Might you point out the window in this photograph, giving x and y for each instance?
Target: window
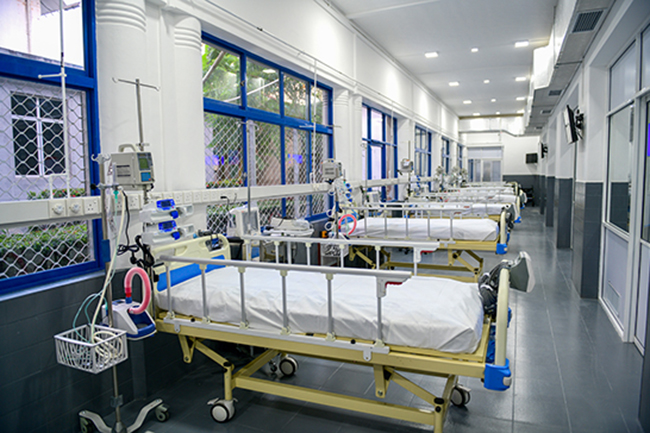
(645, 228)
(645, 58)
(278, 116)
(623, 81)
(619, 169)
(459, 155)
(422, 160)
(31, 31)
(34, 163)
(445, 155)
(484, 163)
(37, 127)
(379, 131)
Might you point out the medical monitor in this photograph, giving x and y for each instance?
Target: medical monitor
(570, 125)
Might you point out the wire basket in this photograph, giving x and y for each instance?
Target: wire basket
(74, 349)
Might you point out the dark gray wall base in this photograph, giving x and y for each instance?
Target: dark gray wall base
(529, 182)
(586, 238)
(564, 218)
(39, 395)
(550, 200)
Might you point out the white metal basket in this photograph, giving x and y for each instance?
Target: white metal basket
(75, 349)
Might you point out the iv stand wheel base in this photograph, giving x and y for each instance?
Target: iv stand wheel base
(91, 422)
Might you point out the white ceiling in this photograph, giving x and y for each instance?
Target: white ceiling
(407, 29)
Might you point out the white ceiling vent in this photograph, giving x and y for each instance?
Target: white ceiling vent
(554, 92)
(586, 21)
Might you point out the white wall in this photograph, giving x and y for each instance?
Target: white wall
(514, 150)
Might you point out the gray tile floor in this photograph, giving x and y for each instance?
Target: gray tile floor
(571, 372)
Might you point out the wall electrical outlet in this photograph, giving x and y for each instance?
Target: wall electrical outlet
(134, 202)
(196, 197)
(75, 206)
(92, 206)
(58, 208)
(187, 197)
(205, 196)
(178, 198)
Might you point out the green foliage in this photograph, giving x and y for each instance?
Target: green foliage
(42, 249)
(56, 193)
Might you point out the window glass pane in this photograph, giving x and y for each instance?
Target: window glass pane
(390, 162)
(389, 130)
(620, 168)
(263, 86)
(645, 229)
(623, 79)
(266, 140)
(318, 154)
(645, 58)
(320, 106)
(296, 160)
(295, 97)
(364, 123)
(224, 144)
(376, 125)
(34, 32)
(375, 155)
(221, 72)
(31, 141)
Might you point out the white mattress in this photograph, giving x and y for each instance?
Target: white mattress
(469, 229)
(466, 207)
(424, 312)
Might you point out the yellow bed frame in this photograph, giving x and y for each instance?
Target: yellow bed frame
(387, 362)
(455, 249)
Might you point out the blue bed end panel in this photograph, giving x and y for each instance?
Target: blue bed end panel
(518, 220)
(502, 248)
(183, 274)
(497, 377)
(508, 238)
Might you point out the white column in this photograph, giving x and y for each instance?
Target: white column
(183, 109)
(121, 43)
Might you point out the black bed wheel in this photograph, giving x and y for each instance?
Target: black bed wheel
(460, 396)
(288, 366)
(220, 412)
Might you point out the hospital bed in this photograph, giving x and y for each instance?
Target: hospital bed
(455, 234)
(390, 322)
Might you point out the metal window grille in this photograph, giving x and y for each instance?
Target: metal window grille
(218, 217)
(224, 141)
(266, 141)
(268, 209)
(35, 165)
(33, 160)
(26, 250)
(296, 158)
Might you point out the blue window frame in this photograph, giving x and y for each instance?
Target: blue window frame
(81, 79)
(380, 136)
(292, 115)
(459, 155)
(423, 154)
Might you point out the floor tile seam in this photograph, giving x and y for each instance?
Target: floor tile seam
(559, 369)
(599, 364)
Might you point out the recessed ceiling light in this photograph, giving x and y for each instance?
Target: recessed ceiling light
(475, 50)
(521, 44)
(431, 55)
(521, 111)
(454, 84)
(476, 114)
(467, 102)
(493, 100)
(521, 79)
(486, 81)
(521, 98)
(498, 112)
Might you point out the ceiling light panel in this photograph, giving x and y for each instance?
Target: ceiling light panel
(474, 50)
(486, 81)
(454, 84)
(521, 44)
(467, 102)
(521, 98)
(431, 55)
(521, 79)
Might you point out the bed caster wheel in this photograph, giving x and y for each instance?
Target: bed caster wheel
(162, 413)
(223, 411)
(288, 366)
(460, 396)
(87, 425)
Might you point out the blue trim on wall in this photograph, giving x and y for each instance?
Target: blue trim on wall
(9, 285)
